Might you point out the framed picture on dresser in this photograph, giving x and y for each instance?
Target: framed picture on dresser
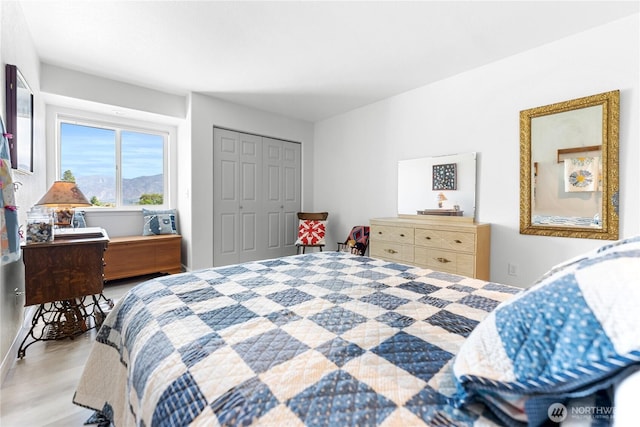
(444, 177)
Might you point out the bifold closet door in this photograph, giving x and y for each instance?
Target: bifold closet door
(256, 195)
(281, 169)
(237, 189)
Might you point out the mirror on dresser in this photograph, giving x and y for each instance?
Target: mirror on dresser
(438, 186)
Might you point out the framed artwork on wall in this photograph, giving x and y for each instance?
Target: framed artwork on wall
(19, 100)
(444, 177)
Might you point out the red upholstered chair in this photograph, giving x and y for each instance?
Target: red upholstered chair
(312, 228)
(357, 241)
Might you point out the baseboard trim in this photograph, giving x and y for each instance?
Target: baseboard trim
(12, 355)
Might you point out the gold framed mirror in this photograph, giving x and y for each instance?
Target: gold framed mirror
(569, 168)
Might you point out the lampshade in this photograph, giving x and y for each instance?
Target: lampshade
(63, 194)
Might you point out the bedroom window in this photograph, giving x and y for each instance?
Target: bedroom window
(114, 166)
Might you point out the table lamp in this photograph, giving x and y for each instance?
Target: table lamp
(440, 198)
(63, 196)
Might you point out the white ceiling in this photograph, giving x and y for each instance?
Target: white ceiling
(304, 59)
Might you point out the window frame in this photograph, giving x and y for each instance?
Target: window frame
(118, 125)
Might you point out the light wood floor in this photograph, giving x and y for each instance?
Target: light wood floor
(38, 389)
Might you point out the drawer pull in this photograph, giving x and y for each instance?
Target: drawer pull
(458, 241)
(428, 238)
(401, 235)
(391, 251)
(379, 232)
(442, 260)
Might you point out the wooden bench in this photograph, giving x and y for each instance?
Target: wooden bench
(131, 256)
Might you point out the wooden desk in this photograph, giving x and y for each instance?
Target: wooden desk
(58, 277)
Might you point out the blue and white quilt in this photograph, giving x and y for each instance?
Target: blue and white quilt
(322, 339)
(556, 351)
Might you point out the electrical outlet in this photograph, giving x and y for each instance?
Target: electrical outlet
(512, 269)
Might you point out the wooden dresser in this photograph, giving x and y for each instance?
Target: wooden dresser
(452, 245)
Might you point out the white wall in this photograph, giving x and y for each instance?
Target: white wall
(207, 112)
(16, 48)
(74, 84)
(356, 153)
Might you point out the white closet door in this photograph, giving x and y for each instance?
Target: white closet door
(281, 168)
(237, 190)
(292, 190)
(256, 195)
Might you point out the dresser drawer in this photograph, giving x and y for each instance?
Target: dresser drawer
(443, 260)
(392, 234)
(391, 251)
(458, 241)
(428, 237)
(454, 240)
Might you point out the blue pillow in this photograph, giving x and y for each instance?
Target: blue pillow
(79, 220)
(159, 222)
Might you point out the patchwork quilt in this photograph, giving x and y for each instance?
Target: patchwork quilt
(321, 339)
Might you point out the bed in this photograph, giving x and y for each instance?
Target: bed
(327, 339)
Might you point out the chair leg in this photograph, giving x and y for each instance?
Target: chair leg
(303, 249)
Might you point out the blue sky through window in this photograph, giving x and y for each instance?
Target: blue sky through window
(90, 151)
(142, 154)
(87, 151)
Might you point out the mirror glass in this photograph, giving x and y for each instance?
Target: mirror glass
(569, 168)
(442, 186)
(19, 106)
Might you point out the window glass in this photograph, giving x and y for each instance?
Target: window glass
(112, 166)
(87, 156)
(142, 169)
